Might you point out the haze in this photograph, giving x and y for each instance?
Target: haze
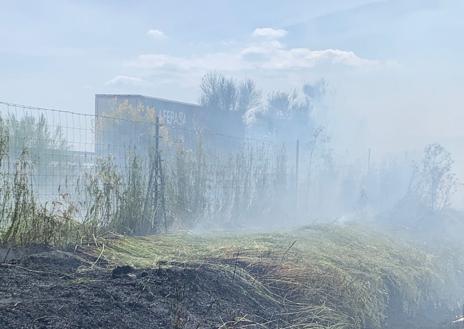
(394, 68)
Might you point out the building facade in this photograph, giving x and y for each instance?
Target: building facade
(127, 122)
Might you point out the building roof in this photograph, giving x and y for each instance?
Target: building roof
(150, 98)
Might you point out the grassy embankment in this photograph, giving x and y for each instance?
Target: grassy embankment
(322, 277)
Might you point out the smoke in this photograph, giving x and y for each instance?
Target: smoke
(361, 138)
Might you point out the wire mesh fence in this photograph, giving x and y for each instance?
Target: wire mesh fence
(137, 173)
(61, 145)
(133, 171)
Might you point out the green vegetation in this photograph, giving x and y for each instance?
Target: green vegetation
(320, 276)
(140, 196)
(324, 276)
(24, 219)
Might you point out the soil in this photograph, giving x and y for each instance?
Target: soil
(55, 289)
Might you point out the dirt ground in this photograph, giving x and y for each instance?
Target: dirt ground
(56, 289)
(53, 289)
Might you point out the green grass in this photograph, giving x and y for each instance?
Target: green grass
(325, 276)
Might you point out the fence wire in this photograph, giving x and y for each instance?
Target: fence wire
(63, 147)
(194, 171)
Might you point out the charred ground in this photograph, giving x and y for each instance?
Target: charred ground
(57, 290)
(321, 278)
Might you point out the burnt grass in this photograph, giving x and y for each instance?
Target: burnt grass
(57, 289)
(54, 289)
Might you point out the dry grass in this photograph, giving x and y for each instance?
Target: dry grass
(324, 277)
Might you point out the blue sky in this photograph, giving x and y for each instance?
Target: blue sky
(394, 67)
(59, 53)
(53, 51)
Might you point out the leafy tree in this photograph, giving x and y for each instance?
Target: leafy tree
(288, 116)
(249, 96)
(218, 93)
(434, 181)
(45, 148)
(226, 102)
(33, 134)
(226, 94)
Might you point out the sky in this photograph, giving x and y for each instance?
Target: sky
(394, 67)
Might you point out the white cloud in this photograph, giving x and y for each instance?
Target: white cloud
(124, 80)
(271, 63)
(269, 32)
(156, 34)
(265, 55)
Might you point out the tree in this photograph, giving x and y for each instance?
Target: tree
(316, 91)
(218, 93)
(288, 116)
(249, 96)
(434, 182)
(225, 94)
(45, 148)
(34, 135)
(226, 102)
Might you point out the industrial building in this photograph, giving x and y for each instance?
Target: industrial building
(127, 121)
